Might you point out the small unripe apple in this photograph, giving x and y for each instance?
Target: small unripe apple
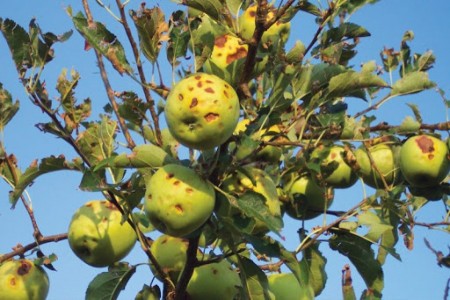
(22, 279)
(284, 286)
(424, 160)
(334, 170)
(218, 281)
(178, 201)
(98, 235)
(277, 32)
(386, 159)
(170, 253)
(307, 199)
(202, 111)
(227, 49)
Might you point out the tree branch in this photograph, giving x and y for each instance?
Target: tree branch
(140, 69)
(20, 250)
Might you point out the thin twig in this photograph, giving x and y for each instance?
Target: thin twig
(140, 69)
(106, 83)
(20, 250)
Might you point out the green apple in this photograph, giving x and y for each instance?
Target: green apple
(218, 281)
(278, 32)
(307, 199)
(284, 286)
(149, 293)
(424, 160)
(170, 253)
(202, 111)
(227, 48)
(334, 170)
(98, 234)
(386, 159)
(22, 279)
(178, 201)
(260, 183)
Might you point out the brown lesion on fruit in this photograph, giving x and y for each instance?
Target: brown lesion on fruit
(425, 144)
(180, 97)
(179, 209)
(177, 182)
(190, 88)
(220, 41)
(199, 84)
(169, 176)
(189, 190)
(198, 77)
(241, 52)
(209, 90)
(194, 102)
(24, 268)
(12, 281)
(209, 81)
(210, 117)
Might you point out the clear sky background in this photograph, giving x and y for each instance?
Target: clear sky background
(56, 196)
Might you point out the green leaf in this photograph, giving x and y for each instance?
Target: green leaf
(343, 31)
(377, 227)
(315, 261)
(97, 141)
(104, 41)
(108, 285)
(254, 279)
(310, 8)
(74, 113)
(347, 83)
(47, 165)
(18, 42)
(8, 109)
(301, 272)
(213, 8)
(416, 111)
(151, 26)
(351, 6)
(360, 253)
(408, 125)
(411, 83)
(252, 205)
(179, 38)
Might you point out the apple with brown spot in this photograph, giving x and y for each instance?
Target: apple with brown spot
(424, 160)
(98, 234)
(177, 200)
(22, 279)
(202, 111)
(227, 49)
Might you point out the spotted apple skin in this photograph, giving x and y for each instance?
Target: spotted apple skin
(98, 235)
(178, 201)
(202, 111)
(424, 160)
(22, 279)
(227, 49)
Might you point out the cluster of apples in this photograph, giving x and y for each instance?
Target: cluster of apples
(422, 161)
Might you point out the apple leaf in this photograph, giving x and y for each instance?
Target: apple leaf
(19, 43)
(254, 279)
(74, 113)
(343, 31)
(46, 165)
(301, 271)
(8, 109)
(347, 83)
(352, 6)
(252, 205)
(108, 285)
(213, 8)
(377, 227)
(97, 141)
(104, 41)
(408, 125)
(411, 83)
(316, 264)
(179, 38)
(360, 253)
(151, 26)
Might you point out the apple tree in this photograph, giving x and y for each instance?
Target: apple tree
(256, 128)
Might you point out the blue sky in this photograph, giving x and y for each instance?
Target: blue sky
(56, 196)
